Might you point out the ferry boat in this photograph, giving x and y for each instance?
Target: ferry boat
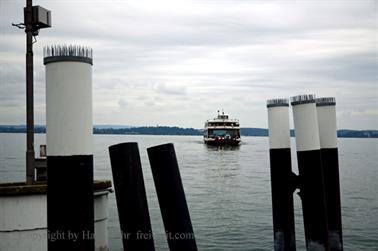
(222, 131)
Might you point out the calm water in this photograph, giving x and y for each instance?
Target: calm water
(228, 190)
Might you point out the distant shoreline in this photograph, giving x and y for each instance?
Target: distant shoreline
(173, 130)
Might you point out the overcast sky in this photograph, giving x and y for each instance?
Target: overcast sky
(178, 62)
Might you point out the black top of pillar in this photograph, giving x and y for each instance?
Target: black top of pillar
(303, 99)
(277, 102)
(325, 101)
(71, 53)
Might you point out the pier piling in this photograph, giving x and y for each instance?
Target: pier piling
(310, 172)
(281, 175)
(131, 197)
(171, 196)
(70, 202)
(326, 112)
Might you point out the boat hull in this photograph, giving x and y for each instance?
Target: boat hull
(229, 142)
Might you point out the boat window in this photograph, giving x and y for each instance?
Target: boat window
(219, 132)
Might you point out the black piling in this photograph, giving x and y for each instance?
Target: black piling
(282, 184)
(282, 178)
(70, 208)
(310, 173)
(171, 196)
(330, 164)
(131, 198)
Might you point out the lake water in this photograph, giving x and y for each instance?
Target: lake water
(228, 190)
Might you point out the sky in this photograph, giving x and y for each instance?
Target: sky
(177, 62)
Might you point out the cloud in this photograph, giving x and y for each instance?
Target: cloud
(169, 89)
(122, 103)
(178, 62)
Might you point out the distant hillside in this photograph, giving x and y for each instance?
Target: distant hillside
(149, 130)
(21, 129)
(357, 134)
(340, 133)
(174, 130)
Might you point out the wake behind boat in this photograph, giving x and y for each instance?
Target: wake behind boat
(222, 131)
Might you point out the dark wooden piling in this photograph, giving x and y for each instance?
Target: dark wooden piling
(313, 200)
(70, 208)
(171, 196)
(282, 199)
(332, 196)
(131, 198)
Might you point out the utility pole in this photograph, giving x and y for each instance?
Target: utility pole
(28, 16)
(35, 18)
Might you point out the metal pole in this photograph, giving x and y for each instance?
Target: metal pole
(29, 94)
(133, 214)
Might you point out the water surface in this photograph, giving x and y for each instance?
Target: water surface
(228, 189)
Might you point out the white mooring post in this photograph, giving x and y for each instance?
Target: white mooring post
(310, 172)
(74, 215)
(70, 201)
(281, 175)
(326, 111)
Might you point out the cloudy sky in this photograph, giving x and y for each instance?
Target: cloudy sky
(178, 62)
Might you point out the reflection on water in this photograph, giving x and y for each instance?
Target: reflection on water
(228, 189)
(222, 148)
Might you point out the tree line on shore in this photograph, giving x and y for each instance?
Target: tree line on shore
(174, 130)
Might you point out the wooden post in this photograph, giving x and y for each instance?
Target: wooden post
(133, 214)
(171, 196)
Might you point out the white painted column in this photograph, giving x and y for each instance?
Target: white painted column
(69, 108)
(326, 112)
(278, 123)
(305, 122)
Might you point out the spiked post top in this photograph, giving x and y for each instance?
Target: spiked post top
(72, 53)
(277, 102)
(325, 101)
(302, 99)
